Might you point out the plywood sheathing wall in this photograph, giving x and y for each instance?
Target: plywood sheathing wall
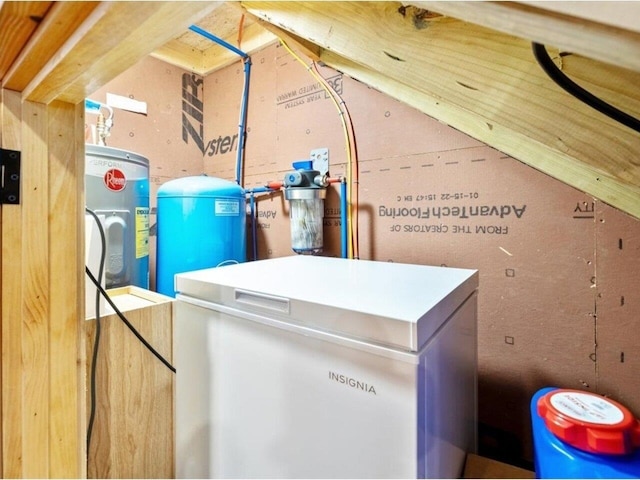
(558, 269)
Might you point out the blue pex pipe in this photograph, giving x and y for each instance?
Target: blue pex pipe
(243, 119)
(254, 229)
(245, 95)
(219, 41)
(343, 217)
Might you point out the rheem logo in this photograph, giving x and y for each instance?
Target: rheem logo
(115, 180)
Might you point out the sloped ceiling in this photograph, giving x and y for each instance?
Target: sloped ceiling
(487, 83)
(468, 64)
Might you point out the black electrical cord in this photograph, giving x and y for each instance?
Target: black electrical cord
(96, 341)
(101, 291)
(127, 323)
(550, 68)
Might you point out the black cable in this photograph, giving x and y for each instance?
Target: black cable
(127, 323)
(96, 341)
(544, 60)
(101, 291)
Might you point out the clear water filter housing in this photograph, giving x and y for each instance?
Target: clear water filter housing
(306, 190)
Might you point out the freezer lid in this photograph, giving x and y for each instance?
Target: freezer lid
(393, 304)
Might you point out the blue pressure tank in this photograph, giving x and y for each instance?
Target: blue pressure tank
(201, 224)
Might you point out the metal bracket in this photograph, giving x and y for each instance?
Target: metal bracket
(9, 177)
(320, 159)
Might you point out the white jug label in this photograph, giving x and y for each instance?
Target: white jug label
(587, 408)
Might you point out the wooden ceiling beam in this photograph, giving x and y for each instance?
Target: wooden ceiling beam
(482, 82)
(59, 24)
(619, 14)
(592, 36)
(18, 21)
(308, 48)
(112, 38)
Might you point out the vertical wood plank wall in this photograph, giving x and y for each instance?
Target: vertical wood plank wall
(66, 287)
(42, 280)
(11, 316)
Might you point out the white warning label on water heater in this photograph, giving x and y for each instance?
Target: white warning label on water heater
(227, 207)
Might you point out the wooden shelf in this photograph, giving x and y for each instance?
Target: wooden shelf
(133, 428)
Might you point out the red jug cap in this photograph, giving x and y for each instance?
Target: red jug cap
(590, 422)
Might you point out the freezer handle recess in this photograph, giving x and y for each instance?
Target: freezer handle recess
(268, 302)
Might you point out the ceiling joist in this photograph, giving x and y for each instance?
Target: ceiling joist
(111, 39)
(545, 23)
(60, 22)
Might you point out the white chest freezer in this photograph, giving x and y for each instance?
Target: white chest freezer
(316, 367)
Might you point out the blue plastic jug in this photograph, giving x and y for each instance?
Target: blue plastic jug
(580, 434)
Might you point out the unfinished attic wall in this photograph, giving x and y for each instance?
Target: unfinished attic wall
(169, 136)
(558, 302)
